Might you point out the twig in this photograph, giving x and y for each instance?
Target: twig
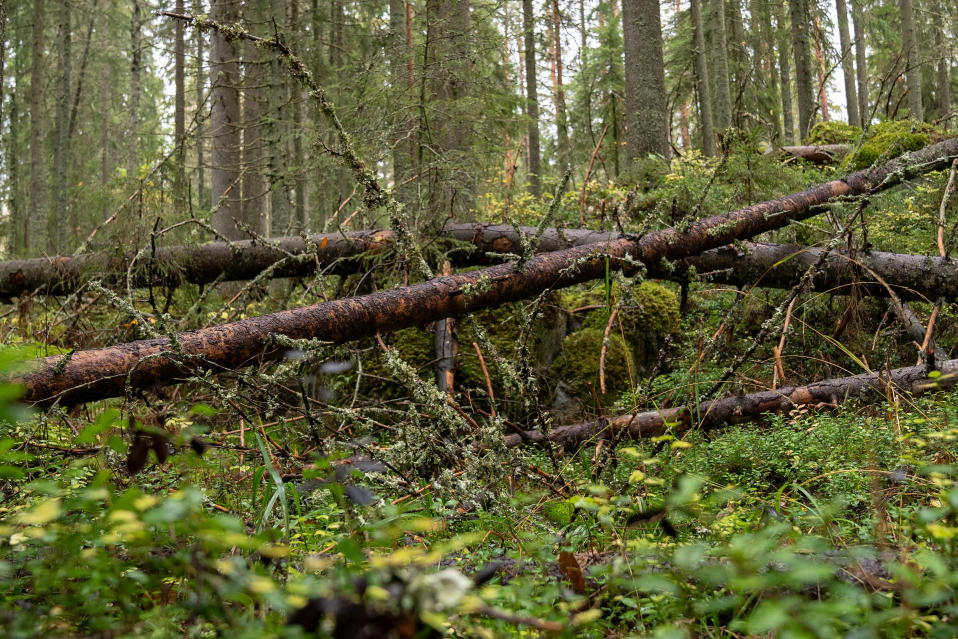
(605, 348)
(485, 373)
(588, 174)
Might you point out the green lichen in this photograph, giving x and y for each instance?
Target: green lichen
(888, 140)
(834, 132)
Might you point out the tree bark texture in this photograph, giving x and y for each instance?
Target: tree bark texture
(647, 121)
(784, 72)
(35, 229)
(225, 127)
(56, 240)
(722, 91)
(861, 61)
(532, 99)
(943, 89)
(909, 44)
(848, 64)
(702, 88)
(745, 408)
(917, 277)
(106, 372)
(800, 24)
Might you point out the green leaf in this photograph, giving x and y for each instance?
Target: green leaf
(104, 421)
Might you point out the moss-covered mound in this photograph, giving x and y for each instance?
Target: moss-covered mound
(834, 132)
(648, 313)
(578, 365)
(888, 140)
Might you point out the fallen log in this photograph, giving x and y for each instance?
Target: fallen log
(744, 408)
(766, 265)
(107, 372)
(815, 153)
(916, 277)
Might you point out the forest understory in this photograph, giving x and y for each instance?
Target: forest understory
(711, 397)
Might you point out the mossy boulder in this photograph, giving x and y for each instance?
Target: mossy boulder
(888, 140)
(834, 132)
(578, 366)
(648, 313)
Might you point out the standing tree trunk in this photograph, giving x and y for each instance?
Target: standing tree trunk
(737, 47)
(106, 156)
(944, 76)
(224, 127)
(912, 68)
(532, 100)
(179, 109)
(36, 226)
(396, 54)
(647, 120)
(800, 22)
(13, 157)
(848, 65)
(254, 187)
(701, 70)
(861, 61)
(133, 143)
(562, 118)
(723, 98)
(820, 65)
(784, 73)
(763, 65)
(56, 241)
(3, 51)
(200, 99)
(278, 96)
(300, 218)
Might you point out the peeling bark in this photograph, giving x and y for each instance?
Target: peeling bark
(106, 372)
(745, 408)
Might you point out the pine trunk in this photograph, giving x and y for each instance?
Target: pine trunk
(179, 108)
(532, 99)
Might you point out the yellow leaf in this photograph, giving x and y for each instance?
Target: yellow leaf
(41, 514)
(636, 476)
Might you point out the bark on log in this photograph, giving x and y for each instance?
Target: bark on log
(815, 153)
(766, 265)
(744, 408)
(915, 277)
(106, 372)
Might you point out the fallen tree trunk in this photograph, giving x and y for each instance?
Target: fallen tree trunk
(744, 408)
(106, 372)
(815, 153)
(918, 277)
(766, 265)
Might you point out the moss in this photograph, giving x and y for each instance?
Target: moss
(648, 312)
(834, 132)
(888, 140)
(558, 512)
(578, 365)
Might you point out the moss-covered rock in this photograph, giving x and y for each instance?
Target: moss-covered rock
(648, 312)
(888, 140)
(578, 365)
(834, 132)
